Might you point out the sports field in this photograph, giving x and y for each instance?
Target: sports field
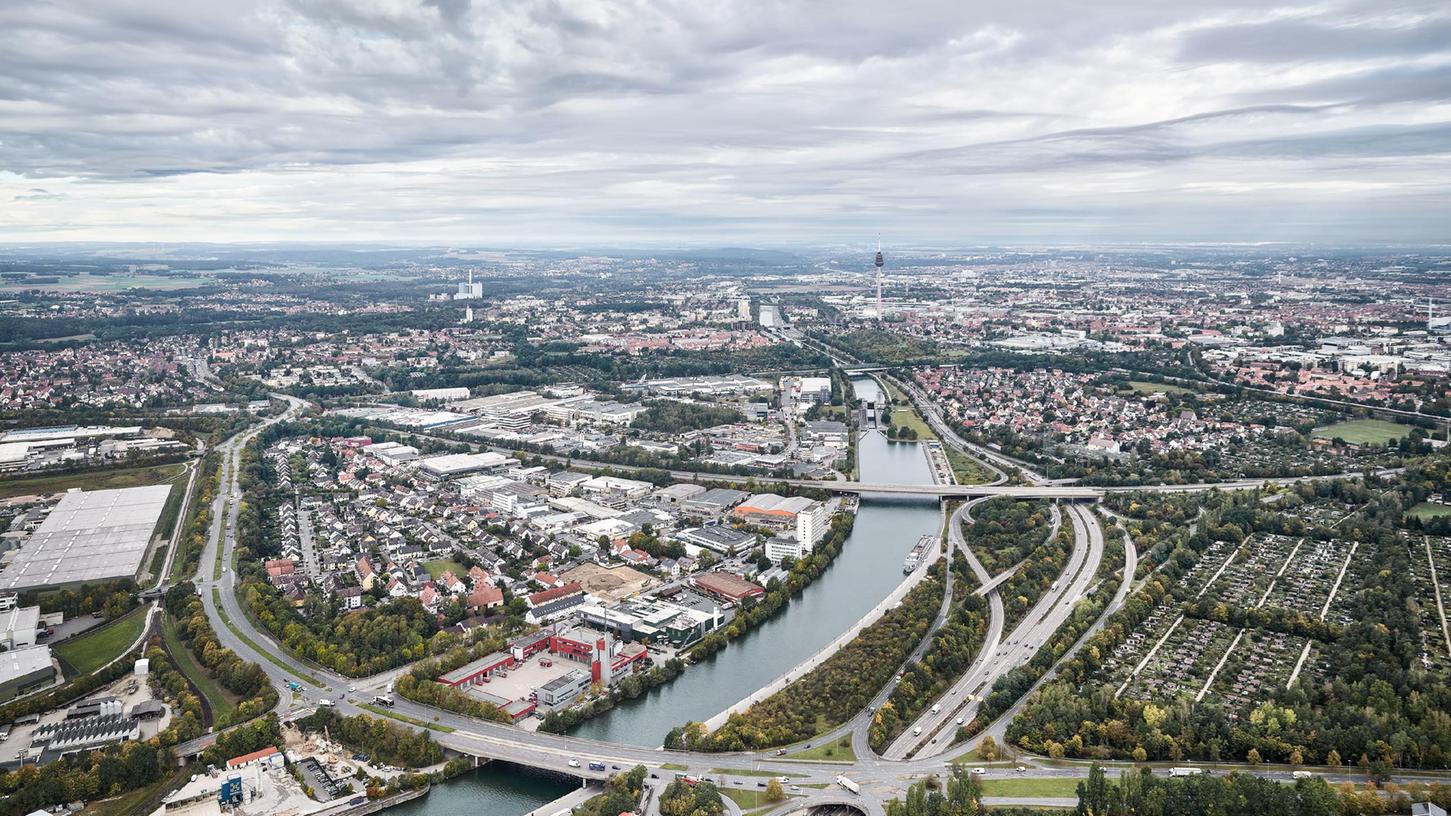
(1425, 511)
(1363, 431)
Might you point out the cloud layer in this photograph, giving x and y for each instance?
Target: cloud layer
(627, 121)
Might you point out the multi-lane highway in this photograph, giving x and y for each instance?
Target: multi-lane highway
(961, 703)
(880, 777)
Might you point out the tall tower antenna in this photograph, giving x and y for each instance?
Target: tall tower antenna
(879, 262)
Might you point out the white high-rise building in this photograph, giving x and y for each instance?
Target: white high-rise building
(743, 308)
(811, 524)
(470, 290)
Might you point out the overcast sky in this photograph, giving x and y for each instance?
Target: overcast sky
(529, 122)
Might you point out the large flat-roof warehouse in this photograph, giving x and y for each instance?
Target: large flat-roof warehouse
(95, 535)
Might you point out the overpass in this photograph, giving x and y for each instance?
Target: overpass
(1059, 492)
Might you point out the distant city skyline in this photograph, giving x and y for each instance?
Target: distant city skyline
(538, 123)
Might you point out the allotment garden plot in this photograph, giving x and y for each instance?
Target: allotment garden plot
(1209, 651)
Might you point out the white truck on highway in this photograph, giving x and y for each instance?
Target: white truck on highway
(1185, 771)
(848, 784)
(936, 709)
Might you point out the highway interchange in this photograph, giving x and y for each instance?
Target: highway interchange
(880, 778)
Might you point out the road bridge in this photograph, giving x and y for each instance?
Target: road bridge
(1059, 492)
(880, 777)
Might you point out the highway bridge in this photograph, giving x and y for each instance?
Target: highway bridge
(1057, 492)
(880, 777)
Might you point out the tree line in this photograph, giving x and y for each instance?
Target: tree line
(834, 691)
(953, 648)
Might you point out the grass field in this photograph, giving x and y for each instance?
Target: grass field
(1363, 431)
(437, 568)
(966, 470)
(748, 800)
(94, 649)
(93, 480)
(1067, 788)
(904, 414)
(1146, 388)
(1425, 511)
(830, 752)
(219, 700)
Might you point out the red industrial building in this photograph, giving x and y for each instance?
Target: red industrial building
(728, 587)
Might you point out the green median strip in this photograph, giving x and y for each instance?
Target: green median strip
(751, 772)
(405, 718)
(1035, 788)
(274, 659)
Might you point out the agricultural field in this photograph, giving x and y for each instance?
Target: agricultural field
(105, 283)
(104, 479)
(1363, 431)
(1144, 388)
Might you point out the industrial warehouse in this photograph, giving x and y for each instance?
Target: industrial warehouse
(89, 536)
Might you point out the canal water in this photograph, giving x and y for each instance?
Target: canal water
(496, 789)
(866, 571)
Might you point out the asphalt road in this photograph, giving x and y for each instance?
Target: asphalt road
(879, 777)
(962, 702)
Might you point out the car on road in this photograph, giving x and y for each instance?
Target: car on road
(959, 721)
(780, 752)
(574, 763)
(979, 771)
(352, 689)
(1021, 769)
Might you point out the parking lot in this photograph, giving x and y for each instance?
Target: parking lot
(324, 787)
(523, 680)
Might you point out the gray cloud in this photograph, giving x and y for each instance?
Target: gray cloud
(1312, 40)
(446, 119)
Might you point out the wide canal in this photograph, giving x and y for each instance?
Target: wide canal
(868, 568)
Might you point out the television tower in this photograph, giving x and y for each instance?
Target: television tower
(879, 262)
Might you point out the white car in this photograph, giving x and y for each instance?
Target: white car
(574, 763)
(979, 771)
(1021, 769)
(352, 689)
(959, 721)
